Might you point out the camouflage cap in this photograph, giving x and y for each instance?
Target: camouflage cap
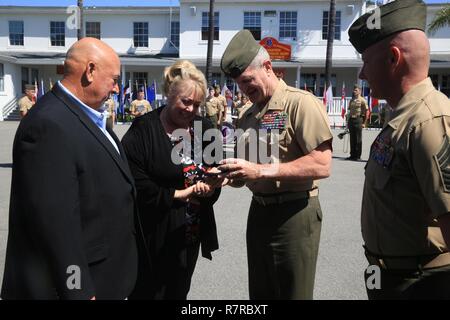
(239, 53)
(29, 87)
(396, 16)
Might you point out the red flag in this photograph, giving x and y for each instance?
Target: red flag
(343, 101)
(370, 104)
(373, 103)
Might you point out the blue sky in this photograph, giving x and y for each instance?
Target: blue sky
(113, 2)
(91, 2)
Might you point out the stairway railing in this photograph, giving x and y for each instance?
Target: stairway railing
(8, 108)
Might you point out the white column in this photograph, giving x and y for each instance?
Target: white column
(297, 82)
(123, 75)
(358, 80)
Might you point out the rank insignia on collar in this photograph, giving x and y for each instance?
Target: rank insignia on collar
(274, 120)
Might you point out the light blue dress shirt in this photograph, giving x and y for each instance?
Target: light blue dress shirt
(98, 118)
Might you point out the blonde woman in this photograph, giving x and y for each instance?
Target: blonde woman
(174, 201)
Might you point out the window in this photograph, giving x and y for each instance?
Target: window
(93, 30)
(140, 31)
(57, 33)
(16, 33)
(288, 24)
(34, 76)
(337, 26)
(310, 80)
(445, 88)
(252, 22)
(25, 78)
(175, 33)
(215, 78)
(205, 25)
(140, 78)
(435, 79)
(2, 78)
(229, 82)
(365, 89)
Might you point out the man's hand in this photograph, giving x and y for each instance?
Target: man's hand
(240, 169)
(216, 179)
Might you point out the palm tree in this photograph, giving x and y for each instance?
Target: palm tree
(80, 32)
(330, 40)
(210, 43)
(441, 20)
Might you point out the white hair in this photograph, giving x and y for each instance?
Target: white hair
(260, 58)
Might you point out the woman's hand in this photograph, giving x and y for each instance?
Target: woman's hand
(184, 195)
(202, 189)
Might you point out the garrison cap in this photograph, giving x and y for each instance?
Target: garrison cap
(396, 16)
(29, 87)
(239, 53)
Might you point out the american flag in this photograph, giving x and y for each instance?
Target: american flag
(343, 101)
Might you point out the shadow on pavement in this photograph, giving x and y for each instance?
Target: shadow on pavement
(345, 159)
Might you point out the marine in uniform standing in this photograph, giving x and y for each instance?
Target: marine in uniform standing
(222, 105)
(27, 101)
(406, 199)
(212, 108)
(284, 222)
(140, 106)
(110, 108)
(357, 110)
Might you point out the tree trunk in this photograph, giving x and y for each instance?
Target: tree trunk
(80, 31)
(210, 43)
(330, 40)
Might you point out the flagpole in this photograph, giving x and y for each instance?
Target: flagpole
(131, 91)
(145, 90)
(42, 87)
(36, 90)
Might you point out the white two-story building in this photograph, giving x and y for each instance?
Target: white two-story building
(34, 40)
